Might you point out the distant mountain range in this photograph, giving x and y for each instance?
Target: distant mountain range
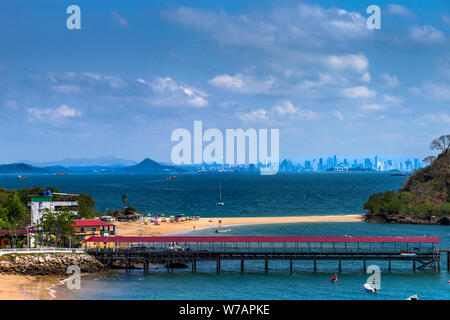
(146, 166)
(108, 161)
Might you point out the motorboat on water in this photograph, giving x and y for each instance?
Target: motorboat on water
(371, 288)
(222, 230)
(413, 297)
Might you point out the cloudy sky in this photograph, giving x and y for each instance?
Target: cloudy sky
(137, 70)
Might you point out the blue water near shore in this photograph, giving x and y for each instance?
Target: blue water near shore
(245, 195)
(254, 195)
(278, 282)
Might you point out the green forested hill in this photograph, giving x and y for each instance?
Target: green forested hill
(425, 197)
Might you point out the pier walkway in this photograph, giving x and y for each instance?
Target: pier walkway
(423, 252)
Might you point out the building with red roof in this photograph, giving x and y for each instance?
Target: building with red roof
(90, 228)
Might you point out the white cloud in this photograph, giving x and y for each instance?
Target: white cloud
(66, 89)
(243, 83)
(446, 19)
(399, 10)
(287, 108)
(357, 63)
(168, 92)
(284, 108)
(373, 107)
(392, 99)
(436, 91)
(427, 35)
(437, 117)
(338, 115)
(119, 19)
(391, 81)
(299, 24)
(254, 115)
(366, 77)
(60, 113)
(112, 82)
(359, 92)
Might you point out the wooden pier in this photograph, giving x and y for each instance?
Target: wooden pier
(422, 252)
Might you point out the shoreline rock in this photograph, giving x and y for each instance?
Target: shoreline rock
(404, 219)
(48, 263)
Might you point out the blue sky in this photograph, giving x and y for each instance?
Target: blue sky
(137, 70)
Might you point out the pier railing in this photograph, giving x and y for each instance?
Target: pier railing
(143, 250)
(40, 250)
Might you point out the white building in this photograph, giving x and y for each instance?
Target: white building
(38, 204)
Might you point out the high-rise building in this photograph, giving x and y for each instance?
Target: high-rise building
(367, 163)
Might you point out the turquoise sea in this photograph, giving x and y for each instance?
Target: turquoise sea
(254, 195)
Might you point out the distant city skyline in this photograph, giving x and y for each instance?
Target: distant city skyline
(329, 163)
(138, 70)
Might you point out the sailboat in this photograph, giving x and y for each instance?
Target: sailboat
(220, 203)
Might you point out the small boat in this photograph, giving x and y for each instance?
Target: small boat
(222, 230)
(407, 254)
(413, 297)
(61, 174)
(370, 287)
(22, 177)
(220, 203)
(172, 178)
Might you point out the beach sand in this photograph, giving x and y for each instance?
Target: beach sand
(22, 287)
(136, 229)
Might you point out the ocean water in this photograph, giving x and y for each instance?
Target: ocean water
(243, 194)
(254, 195)
(278, 283)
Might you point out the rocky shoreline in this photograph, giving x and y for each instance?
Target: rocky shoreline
(43, 264)
(404, 219)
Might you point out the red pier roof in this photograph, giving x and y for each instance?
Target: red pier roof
(91, 223)
(269, 239)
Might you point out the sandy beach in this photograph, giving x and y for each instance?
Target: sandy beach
(21, 287)
(164, 228)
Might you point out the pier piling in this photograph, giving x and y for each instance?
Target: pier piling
(448, 261)
(428, 256)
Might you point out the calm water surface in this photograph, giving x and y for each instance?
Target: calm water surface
(253, 195)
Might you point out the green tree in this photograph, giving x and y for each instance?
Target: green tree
(16, 210)
(60, 224)
(86, 206)
(129, 210)
(3, 218)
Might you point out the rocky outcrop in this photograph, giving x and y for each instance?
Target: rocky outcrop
(48, 263)
(406, 219)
